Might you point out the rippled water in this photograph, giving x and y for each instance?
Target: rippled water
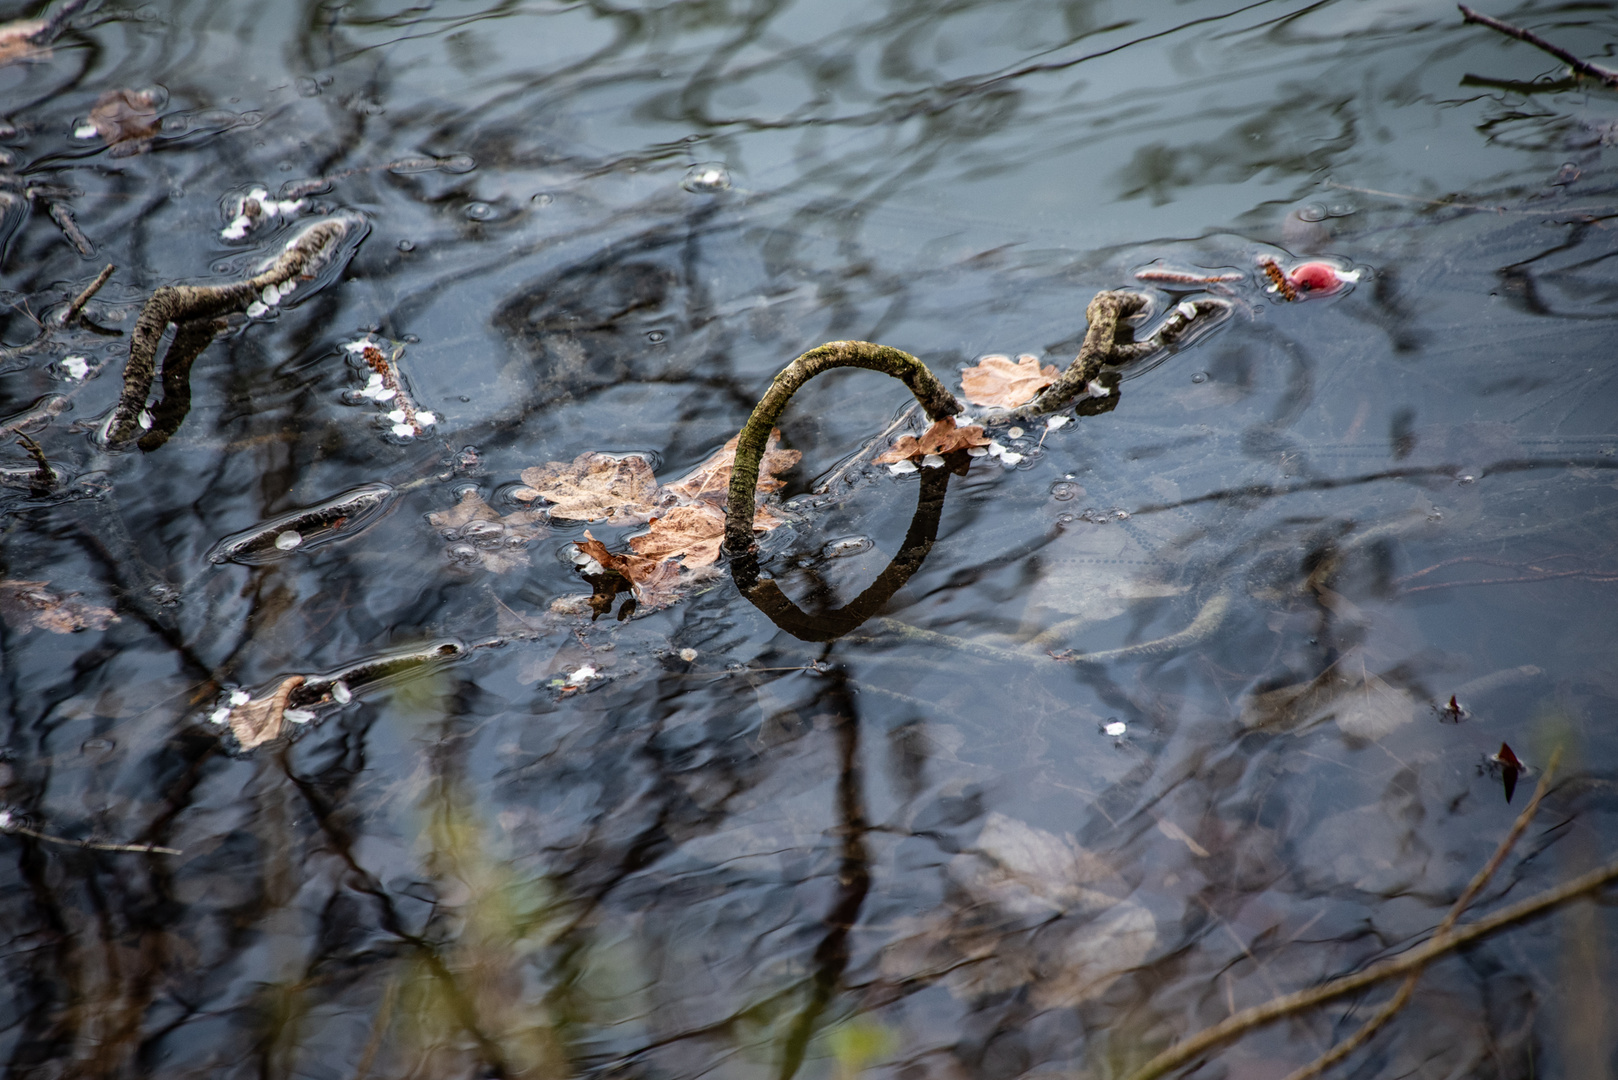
(1158, 729)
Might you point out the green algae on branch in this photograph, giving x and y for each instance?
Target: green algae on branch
(197, 313)
(935, 400)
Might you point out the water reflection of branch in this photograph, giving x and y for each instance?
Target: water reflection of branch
(853, 880)
(767, 596)
(1475, 886)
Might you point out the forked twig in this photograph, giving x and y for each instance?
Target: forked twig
(1475, 886)
(1579, 66)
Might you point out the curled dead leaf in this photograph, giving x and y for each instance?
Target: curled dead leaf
(30, 605)
(616, 488)
(943, 437)
(996, 381)
(711, 479)
(255, 723)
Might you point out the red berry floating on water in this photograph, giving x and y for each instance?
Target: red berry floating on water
(1315, 277)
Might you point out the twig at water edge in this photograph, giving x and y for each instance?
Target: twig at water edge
(1418, 957)
(1475, 886)
(1581, 67)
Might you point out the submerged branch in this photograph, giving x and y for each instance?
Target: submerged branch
(1580, 66)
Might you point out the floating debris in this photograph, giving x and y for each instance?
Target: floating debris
(253, 208)
(707, 178)
(341, 516)
(386, 386)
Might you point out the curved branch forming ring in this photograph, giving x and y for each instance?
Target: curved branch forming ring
(935, 400)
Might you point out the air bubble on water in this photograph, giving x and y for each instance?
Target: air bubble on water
(1064, 491)
(480, 211)
(542, 199)
(656, 337)
(288, 540)
(1313, 212)
(707, 178)
(1014, 433)
(1199, 377)
(1115, 727)
(406, 245)
(1064, 519)
(845, 546)
(1467, 476)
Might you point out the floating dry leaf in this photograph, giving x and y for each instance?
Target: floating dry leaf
(998, 382)
(30, 605)
(477, 535)
(255, 723)
(943, 437)
(126, 120)
(694, 532)
(712, 478)
(617, 488)
(16, 41)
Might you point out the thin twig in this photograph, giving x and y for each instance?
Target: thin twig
(1475, 886)
(859, 455)
(1580, 66)
(95, 845)
(1409, 961)
(44, 475)
(83, 298)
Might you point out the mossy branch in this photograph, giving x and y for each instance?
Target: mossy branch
(197, 307)
(935, 400)
(1101, 347)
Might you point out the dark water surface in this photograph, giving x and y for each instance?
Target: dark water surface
(914, 851)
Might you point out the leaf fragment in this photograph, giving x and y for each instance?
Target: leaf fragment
(996, 381)
(255, 723)
(617, 488)
(943, 437)
(711, 479)
(30, 605)
(126, 120)
(17, 41)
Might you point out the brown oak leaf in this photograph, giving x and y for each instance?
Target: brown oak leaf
(30, 605)
(711, 479)
(695, 532)
(941, 438)
(617, 488)
(126, 120)
(996, 381)
(255, 723)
